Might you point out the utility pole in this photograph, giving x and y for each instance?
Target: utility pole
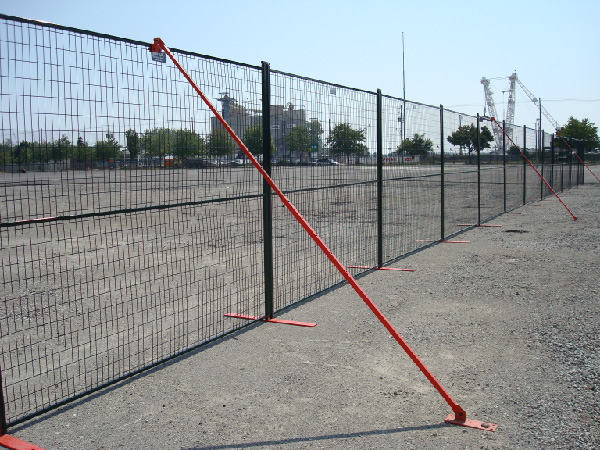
(403, 128)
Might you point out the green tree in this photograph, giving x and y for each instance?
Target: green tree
(6, 155)
(21, 152)
(40, 151)
(60, 149)
(578, 134)
(158, 142)
(417, 145)
(253, 138)
(81, 151)
(106, 150)
(219, 143)
(515, 152)
(187, 144)
(316, 130)
(345, 140)
(133, 143)
(298, 140)
(466, 136)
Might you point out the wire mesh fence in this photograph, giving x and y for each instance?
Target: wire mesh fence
(461, 178)
(411, 192)
(130, 223)
(336, 194)
(134, 260)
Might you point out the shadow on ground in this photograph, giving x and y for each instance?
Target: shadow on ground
(327, 437)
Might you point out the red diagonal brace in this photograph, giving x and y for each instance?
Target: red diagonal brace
(460, 414)
(578, 157)
(533, 167)
(381, 268)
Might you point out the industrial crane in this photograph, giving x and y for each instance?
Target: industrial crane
(536, 101)
(492, 107)
(489, 100)
(511, 112)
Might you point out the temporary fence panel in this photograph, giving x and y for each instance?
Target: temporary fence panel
(514, 167)
(105, 271)
(460, 177)
(411, 183)
(532, 180)
(326, 176)
(547, 164)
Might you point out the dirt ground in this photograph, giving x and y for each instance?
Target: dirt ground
(508, 323)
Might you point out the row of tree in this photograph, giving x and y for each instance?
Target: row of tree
(577, 134)
(183, 144)
(59, 150)
(343, 140)
(157, 142)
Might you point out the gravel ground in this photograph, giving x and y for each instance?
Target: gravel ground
(508, 323)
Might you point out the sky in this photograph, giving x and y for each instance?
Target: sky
(448, 46)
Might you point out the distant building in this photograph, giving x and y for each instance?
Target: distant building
(282, 122)
(238, 117)
(283, 119)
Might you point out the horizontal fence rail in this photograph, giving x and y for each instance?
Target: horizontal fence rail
(130, 224)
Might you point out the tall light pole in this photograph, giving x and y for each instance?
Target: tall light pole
(403, 91)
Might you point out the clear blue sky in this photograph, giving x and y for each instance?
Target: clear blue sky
(449, 45)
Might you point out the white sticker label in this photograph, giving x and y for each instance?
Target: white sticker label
(159, 57)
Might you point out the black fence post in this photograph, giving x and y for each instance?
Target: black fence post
(478, 174)
(524, 165)
(570, 169)
(580, 166)
(552, 161)
(542, 185)
(562, 176)
(379, 180)
(582, 162)
(3, 426)
(504, 160)
(267, 194)
(442, 176)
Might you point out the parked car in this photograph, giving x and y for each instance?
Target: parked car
(288, 162)
(326, 162)
(195, 163)
(240, 162)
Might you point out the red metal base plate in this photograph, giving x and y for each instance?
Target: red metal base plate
(485, 426)
(13, 443)
(265, 319)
